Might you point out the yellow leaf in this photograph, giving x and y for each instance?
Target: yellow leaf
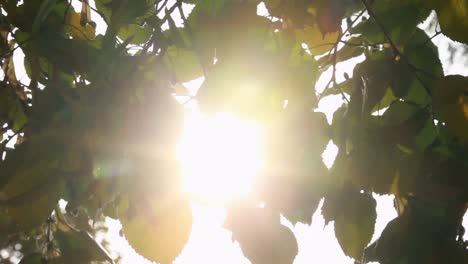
(450, 100)
(453, 18)
(316, 41)
(76, 30)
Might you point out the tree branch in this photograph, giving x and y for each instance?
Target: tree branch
(159, 9)
(397, 54)
(335, 50)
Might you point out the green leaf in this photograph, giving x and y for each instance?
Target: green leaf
(398, 113)
(32, 164)
(296, 176)
(386, 101)
(46, 7)
(261, 236)
(424, 57)
(415, 238)
(402, 77)
(32, 208)
(241, 35)
(231, 87)
(11, 108)
(284, 43)
(370, 81)
(330, 208)
(354, 226)
(70, 55)
(124, 12)
(295, 193)
(426, 136)
(400, 124)
(391, 243)
(138, 34)
(302, 75)
(166, 223)
(184, 63)
(376, 176)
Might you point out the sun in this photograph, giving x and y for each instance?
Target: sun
(219, 155)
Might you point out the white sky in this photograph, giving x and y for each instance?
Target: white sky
(210, 243)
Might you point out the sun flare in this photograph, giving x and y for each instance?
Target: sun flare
(219, 156)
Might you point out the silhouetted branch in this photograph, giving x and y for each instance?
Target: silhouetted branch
(398, 55)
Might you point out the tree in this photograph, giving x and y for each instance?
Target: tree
(95, 103)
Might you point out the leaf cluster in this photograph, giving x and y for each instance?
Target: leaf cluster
(97, 124)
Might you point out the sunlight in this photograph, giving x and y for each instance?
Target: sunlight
(219, 156)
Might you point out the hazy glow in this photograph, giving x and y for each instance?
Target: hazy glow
(219, 156)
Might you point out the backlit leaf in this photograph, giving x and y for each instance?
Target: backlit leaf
(450, 99)
(76, 30)
(138, 34)
(32, 209)
(166, 224)
(317, 42)
(184, 62)
(261, 236)
(354, 225)
(453, 18)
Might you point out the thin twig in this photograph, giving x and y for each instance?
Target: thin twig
(6, 141)
(169, 12)
(373, 45)
(159, 9)
(333, 78)
(348, 28)
(334, 51)
(182, 15)
(9, 53)
(437, 33)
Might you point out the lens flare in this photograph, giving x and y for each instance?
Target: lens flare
(219, 156)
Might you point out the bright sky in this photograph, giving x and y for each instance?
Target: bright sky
(210, 243)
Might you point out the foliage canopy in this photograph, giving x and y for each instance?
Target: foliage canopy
(95, 103)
